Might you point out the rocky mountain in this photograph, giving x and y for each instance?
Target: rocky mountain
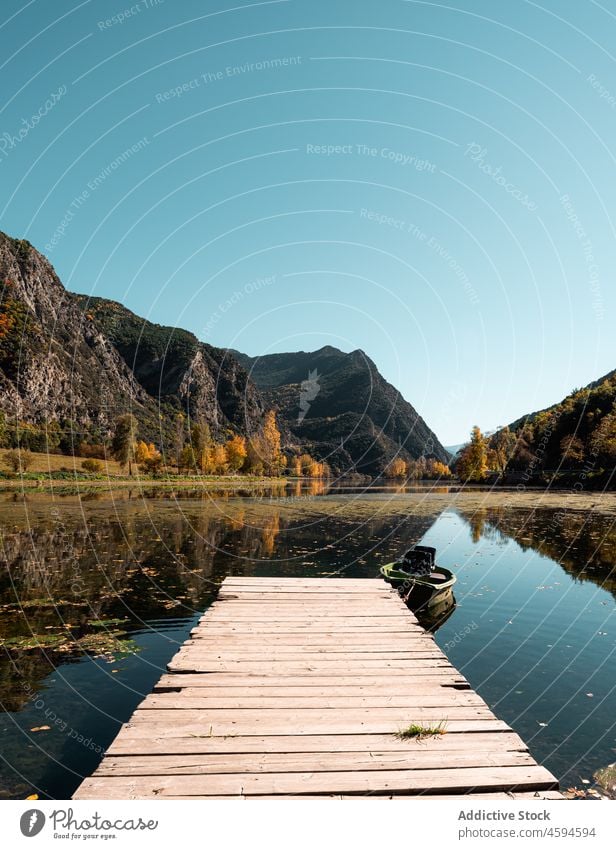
(177, 370)
(339, 408)
(79, 362)
(70, 359)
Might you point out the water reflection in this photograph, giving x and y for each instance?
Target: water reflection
(97, 593)
(535, 627)
(584, 544)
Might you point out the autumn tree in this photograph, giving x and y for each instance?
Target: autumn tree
(236, 453)
(472, 463)
(396, 468)
(436, 469)
(142, 451)
(123, 441)
(305, 462)
(218, 459)
(272, 455)
(318, 469)
(296, 467)
(148, 456)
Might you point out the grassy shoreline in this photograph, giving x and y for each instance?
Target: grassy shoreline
(61, 474)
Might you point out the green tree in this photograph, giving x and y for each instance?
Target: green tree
(603, 439)
(187, 459)
(93, 467)
(179, 438)
(18, 460)
(572, 449)
(53, 436)
(502, 444)
(256, 450)
(4, 431)
(201, 443)
(123, 444)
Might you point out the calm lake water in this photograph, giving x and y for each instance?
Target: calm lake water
(97, 593)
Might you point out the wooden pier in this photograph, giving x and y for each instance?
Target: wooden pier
(300, 688)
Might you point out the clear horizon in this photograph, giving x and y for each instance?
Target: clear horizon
(426, 182)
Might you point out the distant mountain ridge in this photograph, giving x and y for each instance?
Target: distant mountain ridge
(79, 362)
(340, 408)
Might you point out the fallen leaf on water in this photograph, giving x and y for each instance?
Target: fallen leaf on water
(590, 695)
(32, 798)
(41, 728)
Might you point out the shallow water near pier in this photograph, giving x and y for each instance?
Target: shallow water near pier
(98, 591)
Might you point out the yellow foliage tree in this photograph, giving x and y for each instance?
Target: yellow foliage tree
(236, 453)
(396, 468)
(472, 463)
(145, 451)
(218, 459)
(305, 462)
(438, 469)
(272, 454)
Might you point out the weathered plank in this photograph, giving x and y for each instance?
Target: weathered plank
(457, 779)
(173, 741)
(140, 725)
(302, 762)
(441, 677)
(299, 688)
(194, 699)
(435, 797)
(186, 663)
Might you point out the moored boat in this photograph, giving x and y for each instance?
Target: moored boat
(419, 581)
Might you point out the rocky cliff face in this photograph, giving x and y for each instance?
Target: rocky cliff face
(67, 358)
(177, 370)
(340, 408)
(54, 364)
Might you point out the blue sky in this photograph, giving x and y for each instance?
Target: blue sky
(429, 182)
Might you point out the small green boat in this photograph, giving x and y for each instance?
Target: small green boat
(420, 590)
